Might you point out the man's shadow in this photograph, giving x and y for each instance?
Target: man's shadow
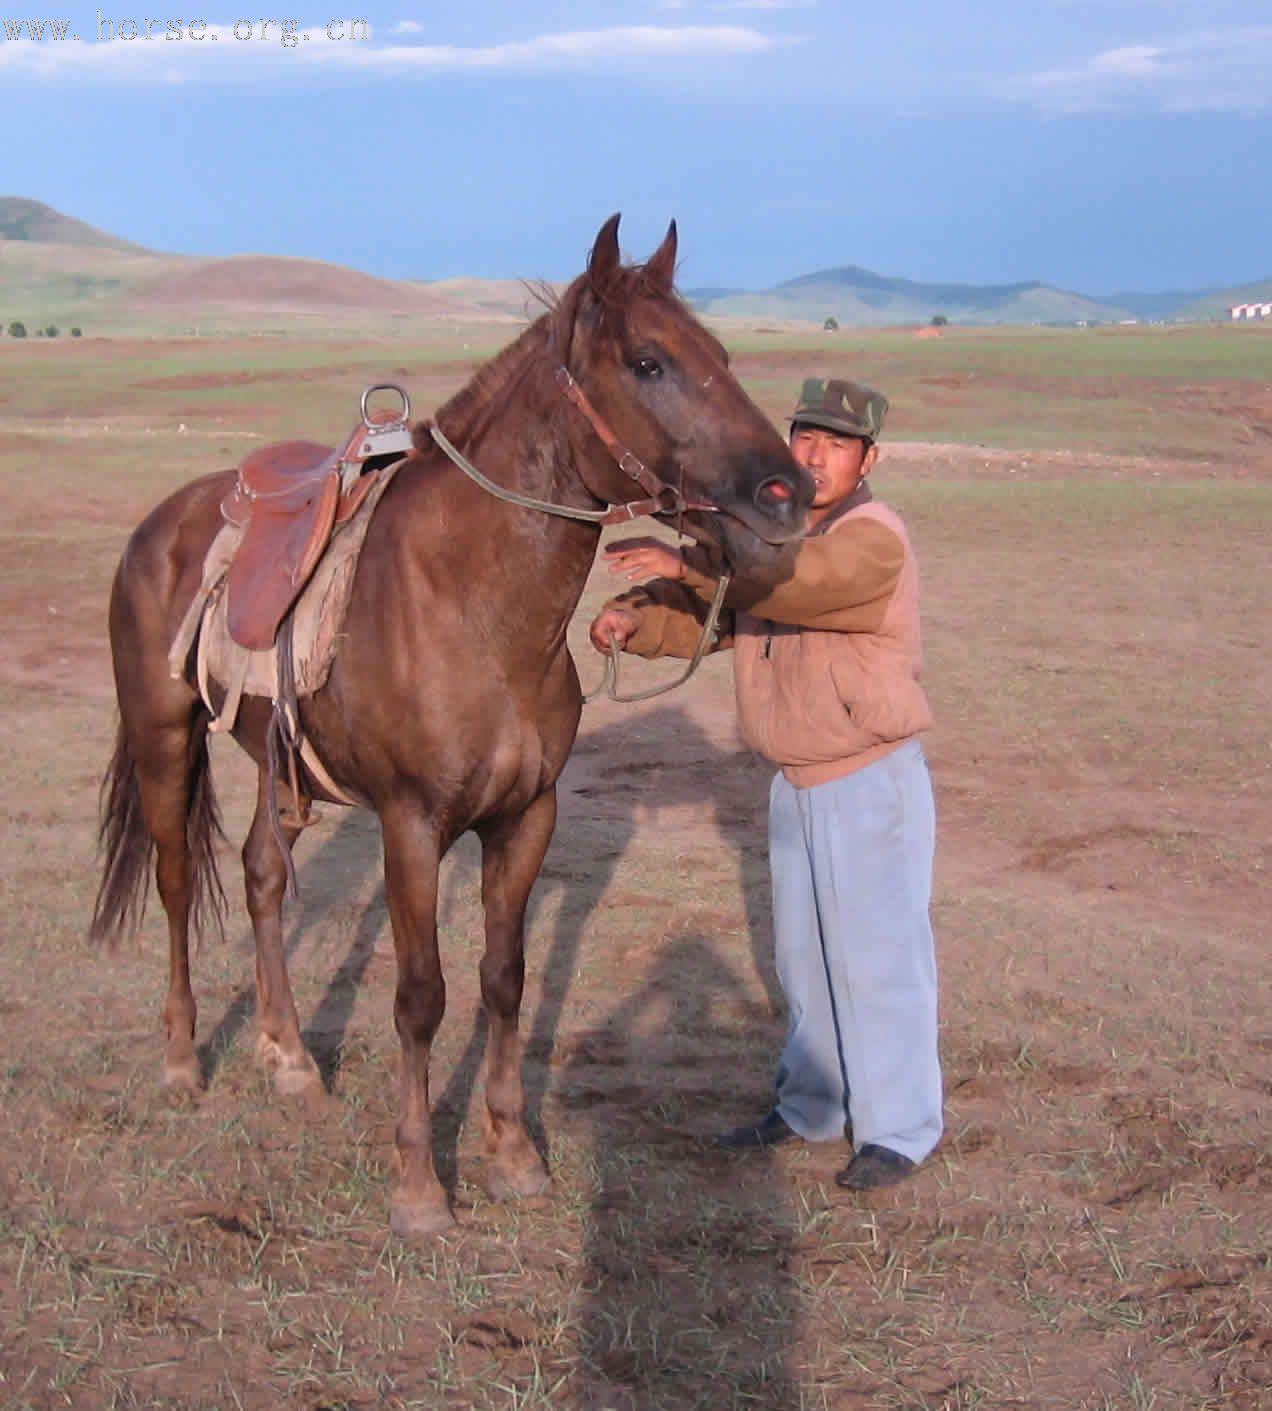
(690, 1297)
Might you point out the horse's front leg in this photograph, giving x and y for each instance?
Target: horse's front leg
(513, 849)
(411, 854)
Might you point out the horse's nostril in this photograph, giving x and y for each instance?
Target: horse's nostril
(774, 491)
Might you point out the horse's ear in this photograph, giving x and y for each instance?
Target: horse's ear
(660, 271)
(603, 262)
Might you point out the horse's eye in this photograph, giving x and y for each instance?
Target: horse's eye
(647, 367)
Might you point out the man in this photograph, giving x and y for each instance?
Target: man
(826, 666)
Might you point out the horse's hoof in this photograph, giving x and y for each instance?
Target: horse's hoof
(292, 1076)
(304, 1082)
(182, 1075)
(417, 1222)
(526, 1183)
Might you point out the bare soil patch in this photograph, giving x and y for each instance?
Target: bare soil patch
(1094, 1231)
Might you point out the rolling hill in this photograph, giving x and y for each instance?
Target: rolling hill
(853, 296)
(38, 224)
(57, 270)
(54, 268)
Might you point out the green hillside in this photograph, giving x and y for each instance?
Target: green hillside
(55, 269)
(856, 297)
(35, 223)
(1217, 304)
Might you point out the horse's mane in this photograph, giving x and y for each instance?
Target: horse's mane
(539, 348)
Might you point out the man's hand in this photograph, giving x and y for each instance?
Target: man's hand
(612, 625)
(644, 558)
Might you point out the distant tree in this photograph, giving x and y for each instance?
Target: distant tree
(52, 331)
(939, 320)
(831, 325)
(17, 329)
(77, 332)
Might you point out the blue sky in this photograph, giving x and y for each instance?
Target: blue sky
(1102, 145)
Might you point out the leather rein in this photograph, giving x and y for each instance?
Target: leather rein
(661, 498)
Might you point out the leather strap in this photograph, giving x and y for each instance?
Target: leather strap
(663, 497)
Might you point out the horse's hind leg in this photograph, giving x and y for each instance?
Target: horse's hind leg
(279, 1047)
(172, 755)
(513, 850)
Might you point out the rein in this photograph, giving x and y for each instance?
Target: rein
(662, 498)
(608, 684)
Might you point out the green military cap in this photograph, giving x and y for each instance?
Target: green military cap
(838, 405)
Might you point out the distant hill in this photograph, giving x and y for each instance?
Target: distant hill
(855, 296)
(57, 269)
(54, 269)
(36, 223)
(858, 297)
(1216, 303)
(281, 284)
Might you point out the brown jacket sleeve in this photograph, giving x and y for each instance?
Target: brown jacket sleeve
(836, 582)
(671, 617)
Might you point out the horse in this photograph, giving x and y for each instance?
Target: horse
(453, 701)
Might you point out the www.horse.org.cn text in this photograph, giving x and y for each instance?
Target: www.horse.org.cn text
(288, 33)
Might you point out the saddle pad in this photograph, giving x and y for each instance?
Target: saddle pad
(319, 616)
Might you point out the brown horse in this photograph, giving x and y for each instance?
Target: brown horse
(453, 701)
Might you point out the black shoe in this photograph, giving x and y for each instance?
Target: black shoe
(770, 1130)
(872, 1167)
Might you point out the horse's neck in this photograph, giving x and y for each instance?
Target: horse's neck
(514, 424)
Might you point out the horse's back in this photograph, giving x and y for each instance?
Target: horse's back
(162, 563)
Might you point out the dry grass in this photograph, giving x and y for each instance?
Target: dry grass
(1093, 1234)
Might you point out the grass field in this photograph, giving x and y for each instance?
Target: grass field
(1093, 514)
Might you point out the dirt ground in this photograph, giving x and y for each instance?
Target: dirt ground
(1095, 1230)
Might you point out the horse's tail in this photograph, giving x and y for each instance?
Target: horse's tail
(127, 849)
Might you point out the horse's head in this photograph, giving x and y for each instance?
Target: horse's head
(661, 381)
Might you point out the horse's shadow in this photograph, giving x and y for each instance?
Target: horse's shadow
(353, 852)
(577, 873)
(580, 867)
(686, 1244)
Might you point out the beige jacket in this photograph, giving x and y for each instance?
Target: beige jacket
(827, 662)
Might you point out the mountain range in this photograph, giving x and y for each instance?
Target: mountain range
(853, 296)
(54, 267)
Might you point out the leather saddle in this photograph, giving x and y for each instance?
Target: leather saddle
(289, 499)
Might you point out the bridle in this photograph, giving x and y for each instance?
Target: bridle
(661, 499)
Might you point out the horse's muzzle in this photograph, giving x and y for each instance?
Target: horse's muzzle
(778, 510)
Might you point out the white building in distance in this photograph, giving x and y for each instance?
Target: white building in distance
(1250, 311)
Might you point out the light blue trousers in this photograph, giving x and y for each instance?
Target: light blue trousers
(852, 883)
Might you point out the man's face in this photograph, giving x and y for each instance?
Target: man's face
(837, 463)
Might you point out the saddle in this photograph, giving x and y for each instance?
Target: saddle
(288, 499)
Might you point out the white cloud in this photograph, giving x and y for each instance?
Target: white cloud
(407, 27)
(223, 53)
(1216, 70)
